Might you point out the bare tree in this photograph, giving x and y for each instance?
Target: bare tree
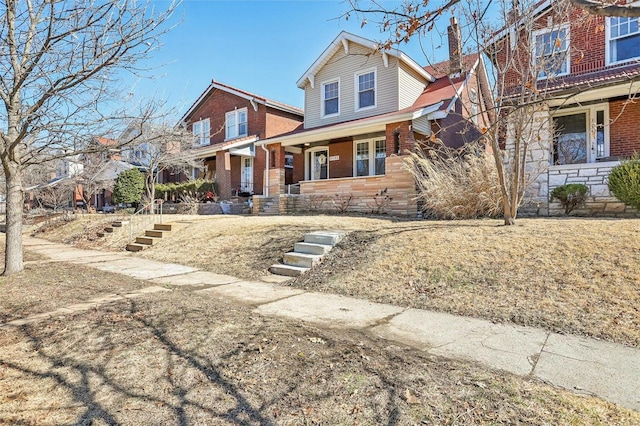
(59, 62)
(156, 148)
(515, 123)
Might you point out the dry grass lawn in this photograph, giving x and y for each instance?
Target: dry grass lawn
(185, 358)
(569, 275)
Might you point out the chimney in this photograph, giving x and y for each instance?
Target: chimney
(455, 47)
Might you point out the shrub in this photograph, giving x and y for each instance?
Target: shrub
(456, 184)
(195, 188)
(570, 196)
(128, 187)
(624, 182)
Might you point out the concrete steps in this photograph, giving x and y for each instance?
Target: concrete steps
(151, 236)
(307, 254)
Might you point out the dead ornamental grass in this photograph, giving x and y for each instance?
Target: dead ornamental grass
(185, 358)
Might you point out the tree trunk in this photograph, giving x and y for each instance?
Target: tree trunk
(15, 201)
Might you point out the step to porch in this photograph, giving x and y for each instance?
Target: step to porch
(307, 254)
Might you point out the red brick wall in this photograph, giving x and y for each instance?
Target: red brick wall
(298, 167)
(624, 133)
(587, 45)
(223, 175)
(235, 171)
(343, 167)
(259, 165)
(407, 140)
(279, 122)
(215, 107)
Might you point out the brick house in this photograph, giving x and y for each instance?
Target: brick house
(226, 123)
(365, 108)
(588, 118)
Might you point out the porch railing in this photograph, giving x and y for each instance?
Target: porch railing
(147, 215)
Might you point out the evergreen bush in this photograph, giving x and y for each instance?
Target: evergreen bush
(624, 182)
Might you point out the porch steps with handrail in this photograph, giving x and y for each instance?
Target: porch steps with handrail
(308, 253)
(151, 236)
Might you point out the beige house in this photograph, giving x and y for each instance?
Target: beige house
(365, 108)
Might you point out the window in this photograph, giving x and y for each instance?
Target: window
(551, 52)
(236, 124)
(581, 135)
(331, 98)
(201, 131)
(624, 38)
(370, 157)
(366, 89)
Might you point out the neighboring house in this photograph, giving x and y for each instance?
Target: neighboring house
(366, 107)
(226, 123)
(589, 118)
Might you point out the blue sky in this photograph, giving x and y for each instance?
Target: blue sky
(259, 46)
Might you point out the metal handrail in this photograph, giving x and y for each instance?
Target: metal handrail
(148, 211)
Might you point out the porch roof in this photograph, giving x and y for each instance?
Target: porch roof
(210, 150)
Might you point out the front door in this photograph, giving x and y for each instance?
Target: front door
(318, 164)
(246, 178)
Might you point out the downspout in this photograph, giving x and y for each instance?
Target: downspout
(266, 171)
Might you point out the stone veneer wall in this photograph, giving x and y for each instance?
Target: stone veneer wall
(600, 201)
(322, 195)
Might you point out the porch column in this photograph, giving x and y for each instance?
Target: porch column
(276, 170)
(223, 174)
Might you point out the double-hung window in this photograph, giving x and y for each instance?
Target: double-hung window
(370, 157)
(202, 131)
(623, 39)
(551, 52)
(366, 89)
(331, 98)
(236, 123)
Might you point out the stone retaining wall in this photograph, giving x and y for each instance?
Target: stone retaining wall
(600, 201)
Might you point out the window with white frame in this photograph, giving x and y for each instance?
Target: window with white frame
(581, 135)
(202, 131)
(623, 39)
(236, 123)
(331, 98)
(551, 52)
(365, 89)
(370, 157)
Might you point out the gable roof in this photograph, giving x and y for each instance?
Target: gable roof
(341, 42)
(435, 102)
(253, 98)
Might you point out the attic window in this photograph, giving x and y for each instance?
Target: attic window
(366, 89)
(331, 98)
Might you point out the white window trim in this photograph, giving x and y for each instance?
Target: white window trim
(592, 130)
(201, 139)
(372, 154)
(235, 112)
(322, 99)
(356, 87)
(607, 43)
(567, 59)
(307, 161)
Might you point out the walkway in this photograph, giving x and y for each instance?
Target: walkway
(580, 364)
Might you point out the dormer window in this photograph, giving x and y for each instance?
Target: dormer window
(551, 52)
(623, 39)
(331, 98)
(201, 131)
(366, 89)
(236, 123)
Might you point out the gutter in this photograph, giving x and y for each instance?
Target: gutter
(266, 172)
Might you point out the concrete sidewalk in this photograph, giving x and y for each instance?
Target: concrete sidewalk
(587, 366)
